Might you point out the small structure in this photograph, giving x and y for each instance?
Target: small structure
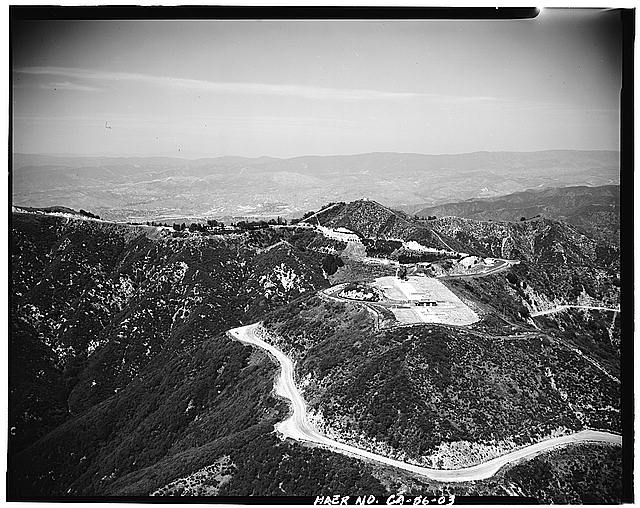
(425, 303)
(401, 273)
(469, 261)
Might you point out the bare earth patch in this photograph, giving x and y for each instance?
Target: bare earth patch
(424, 300)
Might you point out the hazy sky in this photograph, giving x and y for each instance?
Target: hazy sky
(287, 88)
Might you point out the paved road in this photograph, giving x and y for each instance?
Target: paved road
(297, 426)
(560, 308)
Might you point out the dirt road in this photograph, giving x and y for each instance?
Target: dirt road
(560, 308)
(297, 426)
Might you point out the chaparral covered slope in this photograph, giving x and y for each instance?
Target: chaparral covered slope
(123, 381)
(121, 377)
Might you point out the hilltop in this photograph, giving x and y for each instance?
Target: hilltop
(370, 219)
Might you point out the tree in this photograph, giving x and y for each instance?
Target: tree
(88, 214)
(522, 219)
(212, 223)
(331, 263)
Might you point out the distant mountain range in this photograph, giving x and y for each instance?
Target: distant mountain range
(164, 188)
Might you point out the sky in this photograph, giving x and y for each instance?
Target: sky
(295, 87)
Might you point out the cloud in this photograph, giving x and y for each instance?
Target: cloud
(284, 90)
(193, 123)
(67, 85)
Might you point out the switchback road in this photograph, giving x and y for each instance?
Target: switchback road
(297, 426)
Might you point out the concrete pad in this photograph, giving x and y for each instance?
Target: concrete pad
(449, 309)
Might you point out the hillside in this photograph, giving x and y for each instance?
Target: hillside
(554, 244)
(118, 358)
(370, 219)
(162, 188)
(594, 332)
(123, 381)
(62, 210)
(543, 240)
(582, 475)
(556, 202)
(596, 210)
(412, 393)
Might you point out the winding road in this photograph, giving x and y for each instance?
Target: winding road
(297, 426)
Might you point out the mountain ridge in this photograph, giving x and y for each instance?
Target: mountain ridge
(270, 157)
(533, 196)
(124, 381)
(593, 209)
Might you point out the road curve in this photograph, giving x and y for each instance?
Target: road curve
(297, 426)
